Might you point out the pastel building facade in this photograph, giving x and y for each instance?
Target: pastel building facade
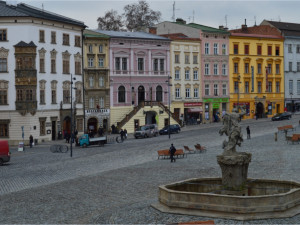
(257, 70)
(39, 51)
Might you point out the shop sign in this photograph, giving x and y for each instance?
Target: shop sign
(241, 103)
(188, 104)
(216, 105)
(220, 100)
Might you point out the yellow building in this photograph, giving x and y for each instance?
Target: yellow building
(256, 70)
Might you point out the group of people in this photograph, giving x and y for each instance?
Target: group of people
(69, 136)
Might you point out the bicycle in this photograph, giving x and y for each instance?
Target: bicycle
(59, 148)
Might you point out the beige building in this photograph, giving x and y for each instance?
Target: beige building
(96, 81)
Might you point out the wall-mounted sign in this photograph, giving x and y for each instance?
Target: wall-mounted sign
(48, 124)
(187, 104)
(48, 131)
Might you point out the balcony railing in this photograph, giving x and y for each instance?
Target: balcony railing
(26, 105)
(95, 111)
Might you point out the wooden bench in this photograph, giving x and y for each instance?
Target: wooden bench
(200, 148)
(187, 149)
(286, 128)
(295, 138)
(166, 154)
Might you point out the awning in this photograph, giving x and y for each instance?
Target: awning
(195, 110)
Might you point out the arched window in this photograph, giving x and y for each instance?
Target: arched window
(159, 93)
(121, 94)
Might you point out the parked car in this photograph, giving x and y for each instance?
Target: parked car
(4, 152)
(282, 116)
(173, 129)
(146, 131)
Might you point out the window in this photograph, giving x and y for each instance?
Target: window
(91, 82)
(53, 96)
(77, 41)
(19, 95)
(246, 87)
(66, 39)
(3, 35)
(3, 64)
(216, 52)
(206, 69)
(290, 86)
(80, 125)
(246, 67)
(224, 49)
(162, 65)
(269, 50)
(42, 36)
(177, 92)
(101, 62)
(53, 37)
(196, 92)
(269, 69)
(42, 65)
(90, 48)
(196, 75)
(53, 66)
(121, 94)
(29, 95)
(195, 59)
(277, 68)
(124, 64)
(90, 62)
(289, 48)
(270, 87)
(187, 58)
(101, 81)
(3, 93)
(224, 69)
(77, 67)
(100, 48)
(224, 89)
(101, 102)
(66, 96)
(277, 87)
(159, 92)
(176, 58)
(66, 62)
(42, 96)
(298, 49)
(235, 49)
(42, 127)
(290, 66)
(177, 74)
(298, 66)
(216, 71)
(91, 103)
(298, 87)
(206, 89)
(236, 68)
(206, 49)
(246, 49)
(259, 86)
(140, 64)
(187, 74)
(259, 68)
(277, 51)
(4, 130)
(236, 87)
(216, 92)
(78, 93)
(258, 49)
(155, 65)
(187, 93)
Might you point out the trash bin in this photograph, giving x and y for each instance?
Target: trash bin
(35, 141)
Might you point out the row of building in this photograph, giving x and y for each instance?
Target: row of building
(54, 73)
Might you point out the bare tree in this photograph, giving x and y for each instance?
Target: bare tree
(139, 16)
(110, 21)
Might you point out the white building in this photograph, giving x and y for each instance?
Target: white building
(39, 53)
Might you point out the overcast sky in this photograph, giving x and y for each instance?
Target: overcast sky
(210, 13)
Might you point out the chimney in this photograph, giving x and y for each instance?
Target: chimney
(244, 26)
(152, 30)
(180, 21)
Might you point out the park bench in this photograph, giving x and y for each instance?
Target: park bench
(294, 138)
(187, 149)
(200, 148)
(286, 128)
(166, 154)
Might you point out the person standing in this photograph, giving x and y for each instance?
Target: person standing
(125, 133)
(172, 153)
(248, 132)
(122, 135)
(30, 141)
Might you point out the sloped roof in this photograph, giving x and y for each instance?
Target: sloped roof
(179, 36)
(91, 33)
(204, 28)
(261, 31)
(131, 35)
(288, 29)
(24, 44)
(24, 10)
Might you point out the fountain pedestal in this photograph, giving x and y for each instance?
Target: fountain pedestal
(234, 172)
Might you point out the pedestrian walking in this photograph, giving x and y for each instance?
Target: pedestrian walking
(248, 132)
(172, 153)
(30, 141)
(122, 134)
(125, 133)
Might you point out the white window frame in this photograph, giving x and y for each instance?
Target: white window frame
(101, 81)
(224, 69)
(206, 69)
(216, 90)
(91, 102)
(216, 48)
(101, 62)
(291, 83)
(196, 75)
(187, 74)
(177, 74)
(224, 89)
(187, 92)
(91, 62)
(196, 92)
(91, 81)
(216, 69)
(206, 48)
(101, 102)
(224, 49)
(206, 89)
(177, 92)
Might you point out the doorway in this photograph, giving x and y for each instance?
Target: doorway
(67, 125)
(150, 117)
(259, 110)
(53, 130)
(92, 125)
(136, 124)
(141, 94)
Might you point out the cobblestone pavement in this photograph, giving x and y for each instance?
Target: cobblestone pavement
(116, 184)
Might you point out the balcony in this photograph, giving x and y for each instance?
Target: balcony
(97, 111)
(26, 105)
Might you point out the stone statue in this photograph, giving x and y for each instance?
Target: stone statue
(233, 130)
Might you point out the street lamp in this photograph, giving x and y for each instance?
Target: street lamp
(169, 130)
(71, 149)
(292, 105)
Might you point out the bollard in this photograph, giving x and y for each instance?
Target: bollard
(276, 136)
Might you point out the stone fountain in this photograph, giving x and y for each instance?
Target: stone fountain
(233, 196)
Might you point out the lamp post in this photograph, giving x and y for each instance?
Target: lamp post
(169, 130)
(238, 89)
(71, 149)
(292, 105)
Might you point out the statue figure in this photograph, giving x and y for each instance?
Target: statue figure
(233, 130)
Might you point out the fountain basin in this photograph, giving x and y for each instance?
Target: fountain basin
(261, 199)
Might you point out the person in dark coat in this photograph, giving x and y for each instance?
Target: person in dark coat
(125, 133)
(30, 141)
(172, 153)
(122, 133)
(248, 132)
